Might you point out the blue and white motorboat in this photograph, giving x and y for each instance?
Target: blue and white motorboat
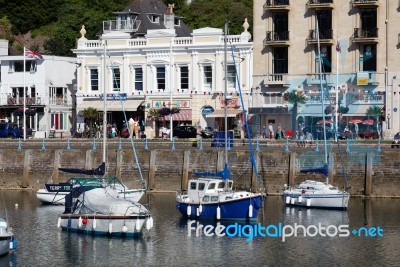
(7, 241)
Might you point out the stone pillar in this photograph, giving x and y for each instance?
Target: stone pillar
(56, 165)
(152, 170)
(185, 171)
(292, 168)
(25, 175)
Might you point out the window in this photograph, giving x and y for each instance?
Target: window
(184, 77)
(206, 198)
(59, 121)
(18, 66)
(160, 77)
(214, 199)
(211, 186)
(193, 186)
(280, 60)
(154, 18)
(177, 22)
(31, 66)
(94, 79)
(326, 56)
(368, 57)
(207, 74)
(201, 186)
(139, 79)
(221, 185)
(116, 76)
(231, 76)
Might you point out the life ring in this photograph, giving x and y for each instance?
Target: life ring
(303, 191)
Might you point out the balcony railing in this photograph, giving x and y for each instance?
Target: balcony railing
(17, 101)
(325, 36)
(276, 38)
(121, 25)
(365, 34)
(277, 5)
(365, 3)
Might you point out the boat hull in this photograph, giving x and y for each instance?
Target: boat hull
(4, 245)
(235, 209)
(338, 201)
(106, 225)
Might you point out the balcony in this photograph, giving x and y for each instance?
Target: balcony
(277, 38)
(19, 101)
(362, 35)
(320, 4)
(365, 3)
(314, 79)
(325, 37)
(276, 80)
(277, 5)
(121, 25)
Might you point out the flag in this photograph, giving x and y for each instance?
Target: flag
(32, 54)
(338, 48)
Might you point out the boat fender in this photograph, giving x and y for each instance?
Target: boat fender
(84, 221)
(189, 211)
(59, 222)
(110, 227)
(303, 191)
(13, 243)
(287, 200)
(80, 222)
(94, 224)
(300, 199)
(152, 222)
(148, 224)
(308, 202)
(250, 211)
(218, 213)
(137, 225)
(200, 208)
(124, 229)
(292, 200)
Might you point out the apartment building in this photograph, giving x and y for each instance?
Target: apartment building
(359, 45)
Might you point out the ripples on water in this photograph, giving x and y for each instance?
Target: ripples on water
(168, 243)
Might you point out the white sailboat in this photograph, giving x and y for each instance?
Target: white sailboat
(312, 193)
(95, 206)
(211, 195)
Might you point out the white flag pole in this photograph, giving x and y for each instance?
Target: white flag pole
(24, 123)
(337, 90)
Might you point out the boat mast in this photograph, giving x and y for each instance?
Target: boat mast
(322, 91)
(103, 84)
(226, 92)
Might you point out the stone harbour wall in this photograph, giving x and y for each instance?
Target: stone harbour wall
(368, 174)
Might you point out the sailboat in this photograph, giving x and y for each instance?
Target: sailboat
(211, 195)
(95, 206)
(7, 241)
(312, 193)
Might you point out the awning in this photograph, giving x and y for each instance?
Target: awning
(114, 105)
(183, 115)
(359, 110)
(221, 113)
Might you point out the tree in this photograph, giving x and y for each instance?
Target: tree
(295, 98)
(90, 115)
(375, 112)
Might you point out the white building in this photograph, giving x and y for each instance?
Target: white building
(151, 58)
(49, 87)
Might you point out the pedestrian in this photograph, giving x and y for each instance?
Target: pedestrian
(271, 130)
(356, 130)
(131, 124)
(264, 132)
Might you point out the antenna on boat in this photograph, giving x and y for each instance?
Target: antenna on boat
(322, 91)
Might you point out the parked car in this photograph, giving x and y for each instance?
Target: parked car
(396, 140)
(189, 131)
(8, 130)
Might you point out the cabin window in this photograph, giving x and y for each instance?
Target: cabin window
(230, 184)
(193, 186)
(206, 198)
(228, 198)
(211, 186)
(221, 185)
(201, 186)
(214, 199)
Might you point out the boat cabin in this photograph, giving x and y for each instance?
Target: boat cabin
(207, 190)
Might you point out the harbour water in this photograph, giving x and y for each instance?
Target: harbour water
(40, 243)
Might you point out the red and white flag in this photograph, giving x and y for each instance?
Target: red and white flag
(32, 54)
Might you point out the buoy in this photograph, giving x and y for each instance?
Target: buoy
(84, 221)
(200, 208)
(250, 211)
(80, 222)
(124, 229)
(292, 200)
(137, 225)
(308, 202)
(218, 213)
(189, 211)
(287, 200)
(152, 222)
(299, 199)
(148, 224)
(110, 227)
(94, 224)
(16, 205)
(59, 222)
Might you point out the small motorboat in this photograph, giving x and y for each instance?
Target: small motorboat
(7, 241)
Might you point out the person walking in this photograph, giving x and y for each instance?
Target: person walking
(131, 124)
(271, 131)
(264, 132)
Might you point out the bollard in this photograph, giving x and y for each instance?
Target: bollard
(68, 144)
(379, 144)
(145, 144)
(120, 144)
(201, 143)
(94, 143)
(347, 146)
(287, 145)
(19, 144)
(316, 145)
(258, 145)
(173, 144)
(43, 146)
